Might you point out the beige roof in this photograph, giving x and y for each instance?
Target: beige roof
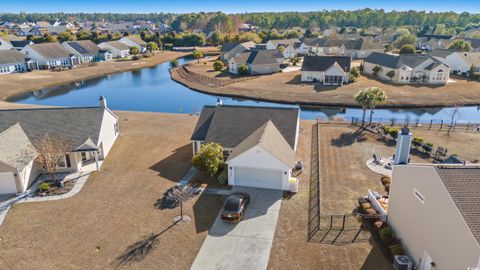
(11, 57)
(269, 138)
(50, 50)
(137, 40)
(16, 150)
(472, 58)
(117, 45)
(463, 184)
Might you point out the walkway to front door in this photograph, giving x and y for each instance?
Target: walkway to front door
(243, 245)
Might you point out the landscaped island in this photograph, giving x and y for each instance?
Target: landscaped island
(286, 87)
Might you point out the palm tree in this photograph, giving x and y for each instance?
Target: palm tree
(368, 99)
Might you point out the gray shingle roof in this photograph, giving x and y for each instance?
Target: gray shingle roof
(463, 184)
(84, 47)
(442, 52)
(50, 50)
(285, 42)
(228, 46)
(137, 40)
(117, 45)
(230, 125)
(322, 63)
(259, 57)
(11, 57)
(20, 43)
(271, 140)
(75, 125)
(16, 150)
(397, 61)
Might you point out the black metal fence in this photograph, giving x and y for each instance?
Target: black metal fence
(434, 124)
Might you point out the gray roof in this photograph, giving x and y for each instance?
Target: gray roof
(475, 42)
(228, 46)
(11, 57)
(442, 53)
(117, 45)
(397, 61)
(50, 50)
(75, 125)
(16, 150)
(137, 40)
(269, 138)
(322, 63)
(259, 57)
(229, 125)
(84, 47)
(294, 42)
(20, 43)
(463, 184)
(349, 44)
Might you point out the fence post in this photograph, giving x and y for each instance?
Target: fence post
(468, 125)
(429, 127)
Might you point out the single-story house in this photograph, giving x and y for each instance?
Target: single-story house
(85, 50)
(328, 70)
(257, 61)
(459, 62)
(428, 43)
(434, 210)
(90, 133)
(475, 42)
(20, 44)
(406, 68)
(259, 143)
(229, 50)
(5, 44)
(356, 48)
(116, 48)
(104, 55)
(49, 55)
(17, 158)
(134, 41)
(12, 61)
(290, 45)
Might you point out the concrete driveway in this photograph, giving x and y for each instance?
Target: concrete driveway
(243, 245)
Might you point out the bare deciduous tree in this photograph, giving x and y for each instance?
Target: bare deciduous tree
(182, 194)
(51, 150)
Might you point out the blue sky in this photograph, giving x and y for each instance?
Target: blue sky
(229, 6)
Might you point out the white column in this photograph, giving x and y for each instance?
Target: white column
(96, 160)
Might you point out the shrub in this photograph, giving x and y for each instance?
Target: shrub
(45, 186)
(375, 70)
(222, 178)
(209, 159)
(417, 142)
(427, 147)
(243, 70)
(218, 65)
(396, 249)
(168, 46)
(174, 63)
(387, 187)
(378, 224)
(385, 179)
(386, 234)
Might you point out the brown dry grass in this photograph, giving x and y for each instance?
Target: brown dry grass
(286, 88)
(115, 208)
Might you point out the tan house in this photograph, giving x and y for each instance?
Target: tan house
(435, 211)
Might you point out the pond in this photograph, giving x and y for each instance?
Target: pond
(151, 89)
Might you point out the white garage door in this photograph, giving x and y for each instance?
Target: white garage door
(7, 183)
(261, 178)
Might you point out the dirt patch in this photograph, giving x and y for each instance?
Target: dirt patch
(287, 88)
(115, 212)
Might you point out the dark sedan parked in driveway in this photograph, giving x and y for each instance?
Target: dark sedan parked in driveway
(234, 207)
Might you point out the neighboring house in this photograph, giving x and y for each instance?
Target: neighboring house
(116, 48)
(257, 61)
(163, 27)
(246, 27)
(356, 48)
(434, 211)
(459, 62)
(407, 68)
(5, 44)
(50, 55)
(20, 44)
(428, 43)
(291, 46)
(328, 70)
(89, 131)
(17, 158)
(134, 41)
(229, 50)
(259, 142)
(104, 55)
(85, 50)
(24, 31)
(475, 42)
(12, 61)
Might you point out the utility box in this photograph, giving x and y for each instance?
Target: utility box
(402, 262)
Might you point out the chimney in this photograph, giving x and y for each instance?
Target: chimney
(103, 102)
(404, 142)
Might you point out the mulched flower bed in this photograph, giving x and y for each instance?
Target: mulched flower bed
(56, 190)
